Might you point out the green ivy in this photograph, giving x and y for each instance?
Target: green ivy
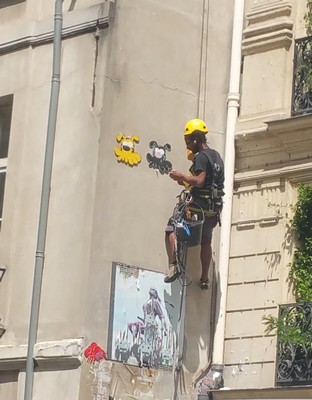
(304, 76)
(303, 69)
(287, 326)
(308, 18)
(301, 266)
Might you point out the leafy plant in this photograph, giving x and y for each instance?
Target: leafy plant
(304, 75)
(308, 18)
(301, 266)
(290, 326)
(303, 71)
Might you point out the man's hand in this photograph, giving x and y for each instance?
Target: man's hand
(192, 180)
(177, 176)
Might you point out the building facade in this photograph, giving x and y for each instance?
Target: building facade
(272, 159)
(131, 74)
(136, 69)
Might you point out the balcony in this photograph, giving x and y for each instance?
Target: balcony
(302, 77)
(294, 346)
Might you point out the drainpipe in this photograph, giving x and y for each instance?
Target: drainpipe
(229, 163)
(44, 202)
(214, 378)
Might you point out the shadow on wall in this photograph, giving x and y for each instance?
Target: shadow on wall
(173, 305)
(9, 377)
(72, 5)
(201, 314)
(7, 3)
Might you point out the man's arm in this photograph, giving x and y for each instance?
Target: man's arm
(193, 180)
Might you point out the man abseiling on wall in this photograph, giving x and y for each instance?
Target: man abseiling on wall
(207, 184)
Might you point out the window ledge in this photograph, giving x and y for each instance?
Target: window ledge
(67, 351)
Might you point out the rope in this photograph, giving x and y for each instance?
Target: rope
(181, 256)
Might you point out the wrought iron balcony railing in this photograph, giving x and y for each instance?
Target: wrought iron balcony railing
(294, 346)
(302, 77)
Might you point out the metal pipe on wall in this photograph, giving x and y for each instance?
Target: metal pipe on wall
(229, 164)
(44, 202)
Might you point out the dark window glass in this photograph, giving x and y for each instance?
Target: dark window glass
(5, 123)
(6, 103)
(8, 3)
(2, 183)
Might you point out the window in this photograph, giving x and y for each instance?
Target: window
(8, 385)
(5, 125)
(7, 3)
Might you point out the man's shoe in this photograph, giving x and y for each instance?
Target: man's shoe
(204, 284)
(172, 274)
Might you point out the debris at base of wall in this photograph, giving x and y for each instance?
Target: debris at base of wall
(211, 381)
(100, 377)
(100, 372)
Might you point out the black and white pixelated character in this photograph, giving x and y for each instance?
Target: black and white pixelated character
(158, 158)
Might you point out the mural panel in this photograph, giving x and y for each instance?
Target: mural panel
(144, 317)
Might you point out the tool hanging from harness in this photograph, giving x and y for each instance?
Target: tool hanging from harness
(209, 198)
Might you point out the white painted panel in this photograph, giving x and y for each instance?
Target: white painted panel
(256, 349)
(254, 295)
(246, 323)
(256, 239)
(249, 376)
(254, 268)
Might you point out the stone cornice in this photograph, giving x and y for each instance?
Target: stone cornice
(290, 133)
(269, 27)
(297, 172)
(36, 33)
(66, 351)
(288, 125)
(283, 149)
(268, 41)
(269, 11)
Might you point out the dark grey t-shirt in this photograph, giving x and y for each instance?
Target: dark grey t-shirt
(201, 163)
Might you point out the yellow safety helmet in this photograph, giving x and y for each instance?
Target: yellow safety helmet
(195, 125)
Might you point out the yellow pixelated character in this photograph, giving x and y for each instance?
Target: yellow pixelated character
(125, 153)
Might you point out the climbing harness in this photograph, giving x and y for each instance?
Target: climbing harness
(210, 197)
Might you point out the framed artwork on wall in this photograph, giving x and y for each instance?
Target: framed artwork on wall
(144, 317)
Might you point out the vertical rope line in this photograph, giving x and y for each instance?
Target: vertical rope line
(206, 62)
(201, 56)
(96, 56)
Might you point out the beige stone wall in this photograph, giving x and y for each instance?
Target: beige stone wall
(26, 62)
(272, 158)
(74, 169)
(151, 89)
(260, 253)
(268, 53)
(154, 67)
